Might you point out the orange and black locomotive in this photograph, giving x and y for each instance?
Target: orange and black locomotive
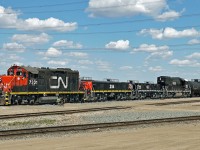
(33, 85)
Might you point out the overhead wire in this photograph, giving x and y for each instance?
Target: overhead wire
(82, 9)
(51, 5)
(73, 3)
(101, 32)
(111, 49)
(104, 23)
(112, 23)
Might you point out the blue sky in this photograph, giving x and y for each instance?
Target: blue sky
(119, 39)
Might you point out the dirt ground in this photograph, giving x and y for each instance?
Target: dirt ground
(167, 137)
(173, 137)
(137, 105)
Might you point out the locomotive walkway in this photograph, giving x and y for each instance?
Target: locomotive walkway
(93, 127)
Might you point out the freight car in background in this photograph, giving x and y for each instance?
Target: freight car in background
(145, 90)
(174, 87)
(109, 89)
(195, 87)
(33, 85)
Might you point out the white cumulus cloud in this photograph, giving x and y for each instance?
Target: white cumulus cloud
(195, 55)
(47, 24)
(161, 54)
(67, 44)
(30, 39)
(57, 63)
(194, 41)
(168, 33)
(119, 45)
(150, 48)
(156, 69)
(155, 51)
(14, 47)
(10, 19)
(122, 8)
(51, 52)
(77, 54)
(118, 8)
(185, 62)
(168, 15)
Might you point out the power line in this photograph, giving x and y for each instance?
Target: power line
(50, 5)
(111, 23)
(102, 32)
(78, 2)
(83, 9)
(169, 45)
(107, 49)
(77, 33)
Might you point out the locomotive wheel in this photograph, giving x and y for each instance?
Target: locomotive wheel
(104, 98)
(18, 102)
(31, 102)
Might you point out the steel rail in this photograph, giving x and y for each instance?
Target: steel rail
(84, 127)
(175, 103)
(60, 112)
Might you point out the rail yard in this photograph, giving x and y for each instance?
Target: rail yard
(161, 124)
(99, 75)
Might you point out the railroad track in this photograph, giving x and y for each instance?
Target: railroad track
(60, 112)
(175, 103)
(84, 127)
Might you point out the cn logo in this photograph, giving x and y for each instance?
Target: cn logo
(59, 81)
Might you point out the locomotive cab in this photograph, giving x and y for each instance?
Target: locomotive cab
(174, 86)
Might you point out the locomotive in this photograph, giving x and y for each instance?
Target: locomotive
(33, 85)
(174, 86)
(195, 87)
(109, 89)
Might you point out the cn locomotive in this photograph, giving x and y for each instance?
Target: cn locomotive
(33, 85)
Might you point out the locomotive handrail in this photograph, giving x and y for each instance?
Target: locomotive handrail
(11, 80)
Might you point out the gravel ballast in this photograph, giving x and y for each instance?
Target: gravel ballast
(140, 110)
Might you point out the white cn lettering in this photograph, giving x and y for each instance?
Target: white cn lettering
(60, 80)
(112, 86)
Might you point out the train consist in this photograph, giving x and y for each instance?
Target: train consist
(32, 85)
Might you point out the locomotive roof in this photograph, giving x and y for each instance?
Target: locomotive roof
(36, 70)
(33, 70)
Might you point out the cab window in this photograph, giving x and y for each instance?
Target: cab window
(11, 73)
(19, 73)
(24, 74)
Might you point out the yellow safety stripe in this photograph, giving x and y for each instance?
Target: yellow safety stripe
(66, 92)
(45, 92)
(112, 91)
